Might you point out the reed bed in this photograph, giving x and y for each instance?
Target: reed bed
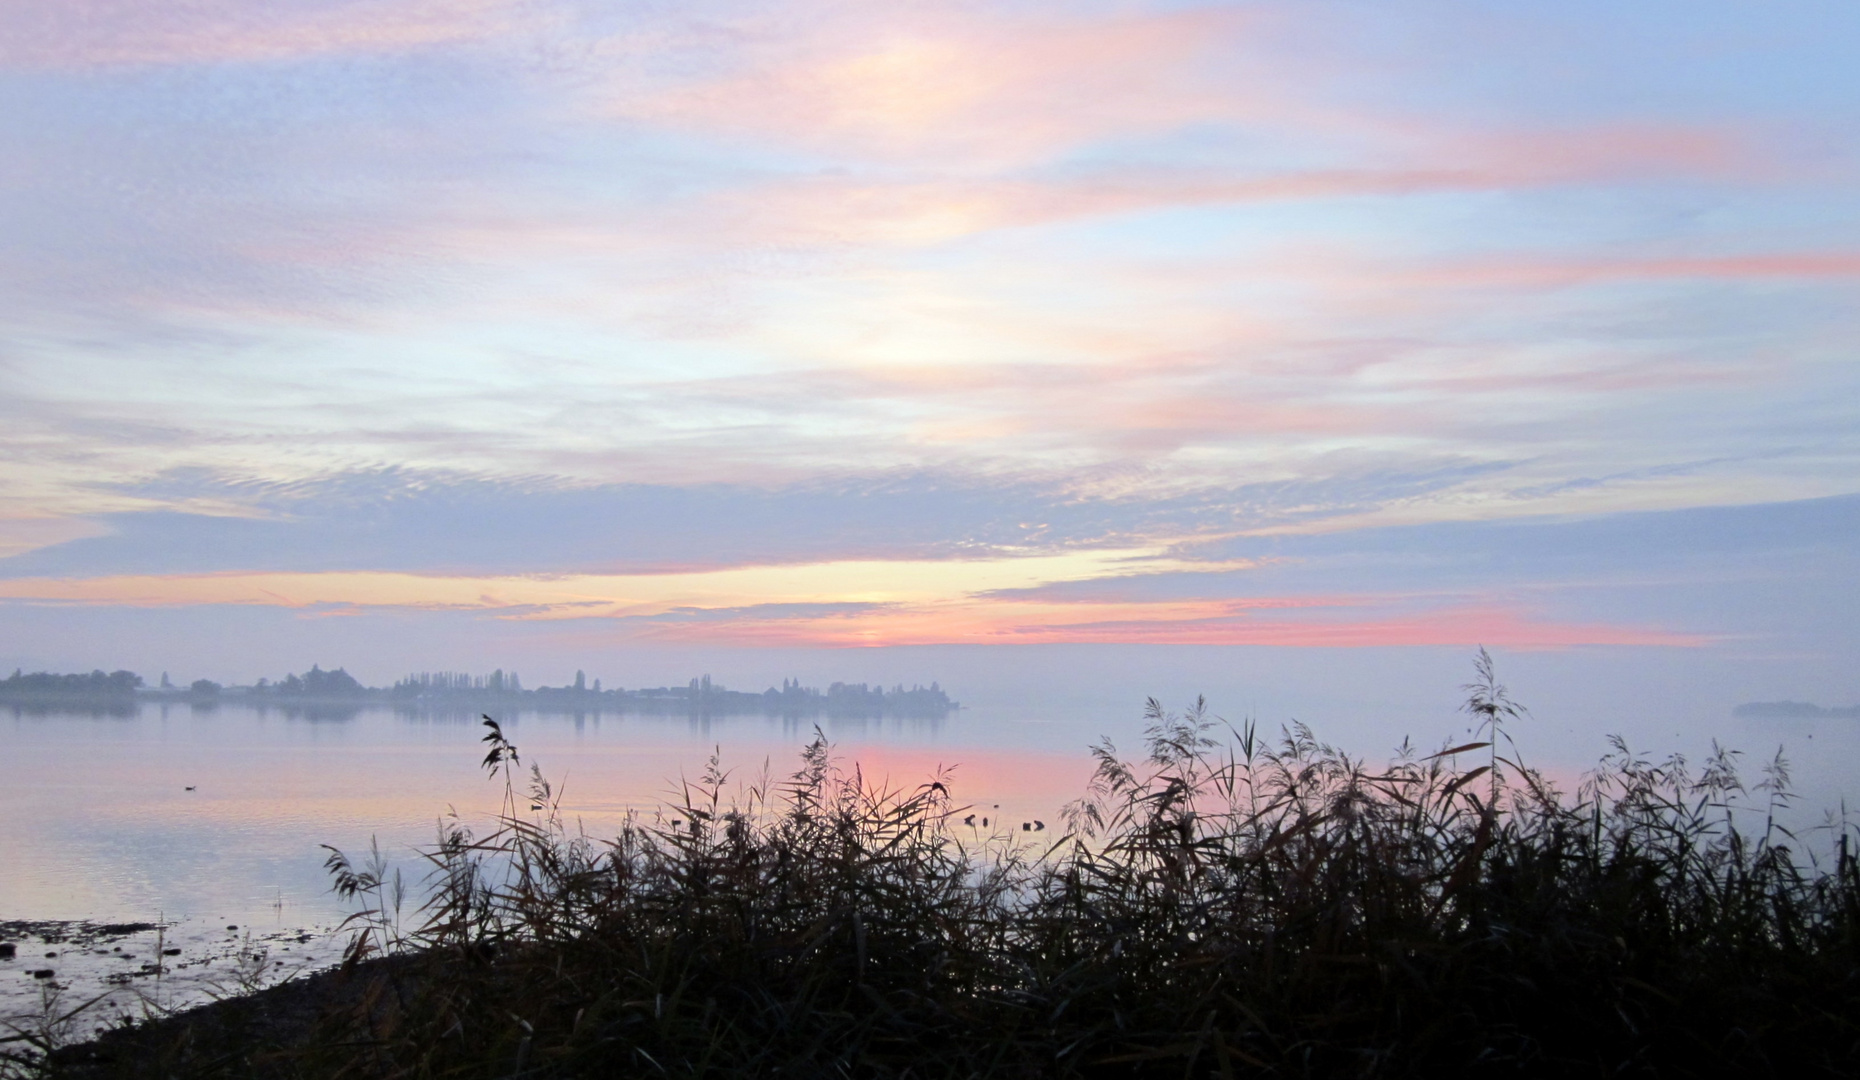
(1222, 906)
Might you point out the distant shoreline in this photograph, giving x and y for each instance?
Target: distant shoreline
(1793, 710)
(337, 692)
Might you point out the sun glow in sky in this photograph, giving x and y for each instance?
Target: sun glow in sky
(802, 323)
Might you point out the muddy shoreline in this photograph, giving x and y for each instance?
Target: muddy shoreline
(66, 981)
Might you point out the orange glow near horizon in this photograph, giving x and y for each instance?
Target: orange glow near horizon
(1206, 622)
(872, 604)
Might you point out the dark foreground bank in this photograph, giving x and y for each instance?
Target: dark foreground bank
(267, 1033)
(1221, 908)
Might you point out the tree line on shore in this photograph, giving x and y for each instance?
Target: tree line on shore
(460, 691)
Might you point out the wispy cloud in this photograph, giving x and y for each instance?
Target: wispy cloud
(119, 33)
(839, 605)
(457, 293)
(969, 85)
(1523, 585)
(836, 581)
(439, 523)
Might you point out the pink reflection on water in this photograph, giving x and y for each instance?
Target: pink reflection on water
(105, 826)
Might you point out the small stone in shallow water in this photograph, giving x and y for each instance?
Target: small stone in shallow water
(171, 952)
(43, 973)
(51, 955)
(7, 950)
(232, 928)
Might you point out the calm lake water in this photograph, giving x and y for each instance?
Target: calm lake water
(102, 824)
(220, 813)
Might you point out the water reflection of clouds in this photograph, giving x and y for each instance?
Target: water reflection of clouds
(105, 823)
(103, 826)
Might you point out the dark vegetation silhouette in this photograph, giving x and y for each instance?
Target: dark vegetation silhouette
(43, 693)
(47, 684)
(701, 697)
(336, 694)
(315, 683)
(1223, 905)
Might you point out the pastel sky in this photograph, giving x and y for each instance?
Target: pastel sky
(800, 324)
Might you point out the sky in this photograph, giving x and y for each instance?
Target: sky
(405, 334)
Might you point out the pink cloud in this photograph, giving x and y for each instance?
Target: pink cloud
(1136, 402)
(1469, 626)
(970, 89)
(974, 93)
(1527, 272)
(104, 33)
(947, 124)
(1287, 621)
(947, 202)
(1610, 150)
